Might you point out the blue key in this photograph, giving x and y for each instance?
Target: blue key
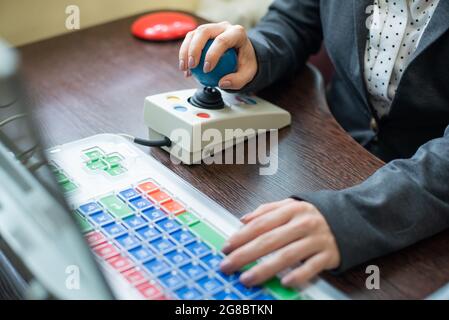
(264, 296)
(193, 270)
(141, 253)
(141, 203)
(210, 284)
(177, 257)
(172, 280)
(101, 218)
(229, 277)
(148, 232)
(127, 241)
(156, 266)
(134, 222)
(198, 248)
(223, 295)
(162, 244)
(247, 292)
(129, 194)
(89, 208)
(114, 229)
(153, 214)
(183, 236)
(212, 260)
(168, 225)
(187, 293)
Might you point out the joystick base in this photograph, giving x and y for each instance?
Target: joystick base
(207, 98)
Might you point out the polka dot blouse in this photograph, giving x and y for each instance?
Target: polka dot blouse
(395, 31)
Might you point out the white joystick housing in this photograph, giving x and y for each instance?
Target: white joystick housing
(197, 133)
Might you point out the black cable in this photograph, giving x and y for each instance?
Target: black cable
(166, 142)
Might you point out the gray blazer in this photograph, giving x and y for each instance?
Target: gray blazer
(408, 199)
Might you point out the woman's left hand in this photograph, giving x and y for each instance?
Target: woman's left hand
(298, 233)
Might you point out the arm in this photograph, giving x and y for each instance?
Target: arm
(284, 39)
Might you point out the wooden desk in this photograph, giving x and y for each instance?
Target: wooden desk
(96, 80)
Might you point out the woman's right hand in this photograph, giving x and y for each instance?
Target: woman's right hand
(226, 36)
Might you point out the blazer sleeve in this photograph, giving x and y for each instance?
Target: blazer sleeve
(284, 39)
(403, 202)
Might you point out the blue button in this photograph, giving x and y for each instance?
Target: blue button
(183, 237)
(141, 204)
(127, 241)
(156, 266)
(264, 296)
(247, 292)
(172, 280)
(168, 225)
(210, 284)
(114, 229)
(193, 270)
(89, 208)
(153, 214)
(162, 244)
(223, 295)
(101, 218)
(177, 257)
(129, 194)
(198, 248)
(229, 277)
(134, 222)
(141, 253)
(180, 108)
(148, 232)
(212, 260)
(187, 293)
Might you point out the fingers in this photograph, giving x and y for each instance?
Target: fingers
(236, 81)
(286, 257)
(183, 51)
(263, 245)
(257, 227)
(308, 270)
(262, 209)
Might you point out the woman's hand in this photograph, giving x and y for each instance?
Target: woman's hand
(299, 233)
(226, 36)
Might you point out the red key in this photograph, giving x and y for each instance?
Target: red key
(149, 291)
(134, 276)
(95, 238)
(120, 263)
(106, 250)
(173, 207)
(159, 196)
(147, 187)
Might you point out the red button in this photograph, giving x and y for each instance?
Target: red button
(120, 263)
(159, 197)
(149, 291)
(134, 276)
(147, 187)
(95, 238)
(203, 115)
(173, 207)
(106, 251)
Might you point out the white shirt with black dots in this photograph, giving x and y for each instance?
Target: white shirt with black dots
(394, 35)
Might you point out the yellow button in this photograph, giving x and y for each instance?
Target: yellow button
(173, 98)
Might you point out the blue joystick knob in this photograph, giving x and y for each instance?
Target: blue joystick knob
(226, 65)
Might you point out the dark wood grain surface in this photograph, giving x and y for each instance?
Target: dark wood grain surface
(95, 81)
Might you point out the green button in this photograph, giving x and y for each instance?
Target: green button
(188, 218)
(94, 154)
(53, 168)
(68, 186)
(275, 287)
(116, 207)
(116, 171)
(61, 178)
(84, 225)
(113, 160)
(99, 164)
(208, 234)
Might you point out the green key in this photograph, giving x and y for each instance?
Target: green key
(61, 178)
(188, 218)
(94, 153)
(84, 225)
(99, 164)
(69, 186)
(53, 168)
(208, 234)
(113, 160)
(116, 207)
(275, 287)
(116, 171)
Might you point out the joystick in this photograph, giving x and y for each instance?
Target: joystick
(207, 98)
